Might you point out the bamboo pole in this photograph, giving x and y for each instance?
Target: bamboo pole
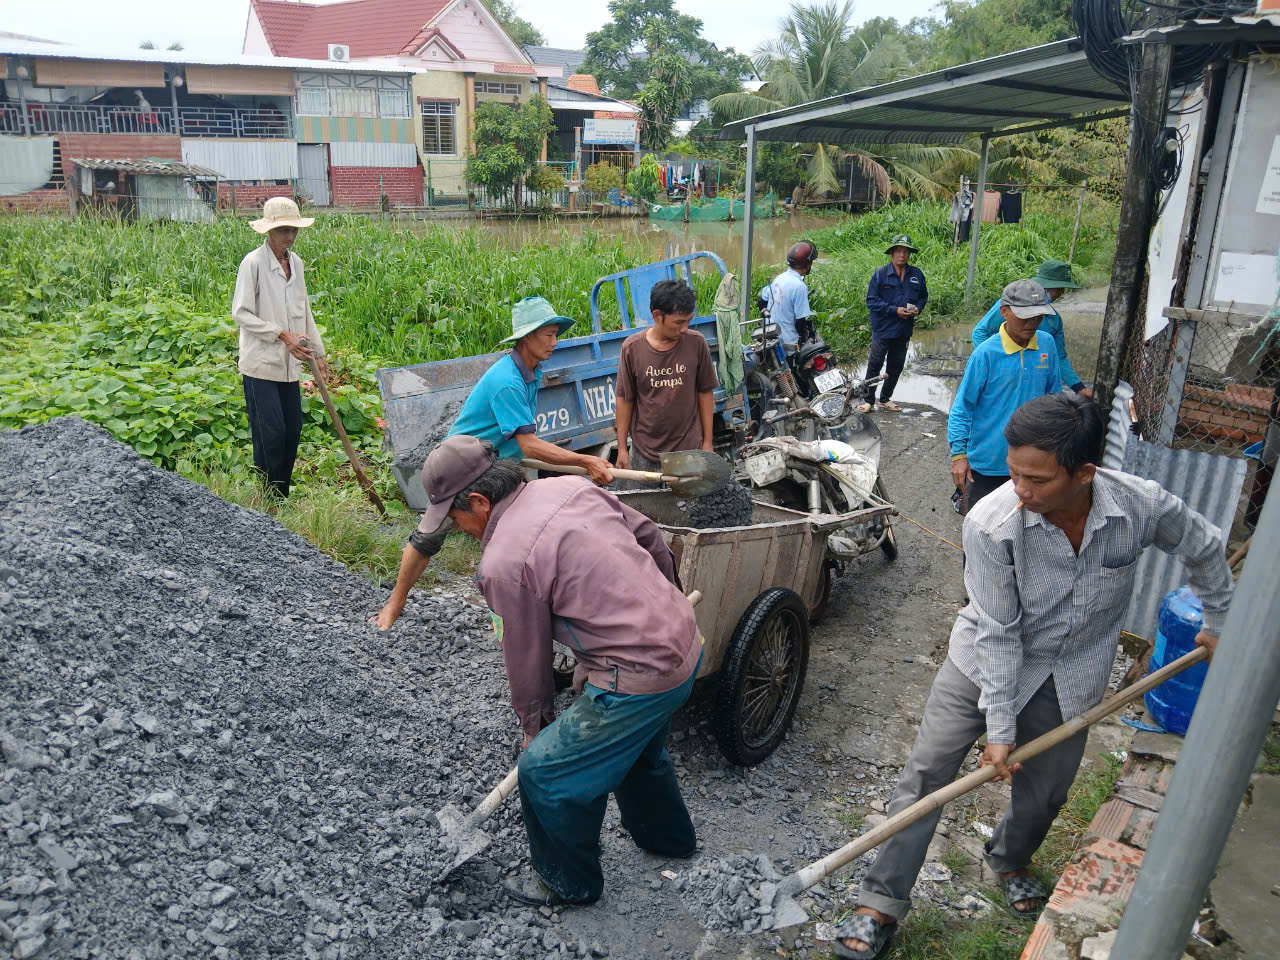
(805, 878)
(1075, 234)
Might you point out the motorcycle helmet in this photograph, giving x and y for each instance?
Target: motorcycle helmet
(802, 254)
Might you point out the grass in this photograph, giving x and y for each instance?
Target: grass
(1269, 760)
(956, 860)
(1087, 794)
(929, 933)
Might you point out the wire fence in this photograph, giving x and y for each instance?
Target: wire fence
(1211, 383)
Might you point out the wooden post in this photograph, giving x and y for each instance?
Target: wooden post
(22, 101)
(430, 197)
(977, 218)
(542, 92)
(1075, 234)
(173, 99)
(1137, 210)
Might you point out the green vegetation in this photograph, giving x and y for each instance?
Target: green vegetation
(1088, 793)
(602, 177)
(1009, 251)
(508, 141)
(642, 182)
(1269, 760)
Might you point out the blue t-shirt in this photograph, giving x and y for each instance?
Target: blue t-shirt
(999, 378)
(502, 404)
(1051, 324)
(886, 293)
(788, 300)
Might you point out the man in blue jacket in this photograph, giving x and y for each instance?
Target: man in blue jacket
(895, 297)
(1055, 277)
(1005, 372)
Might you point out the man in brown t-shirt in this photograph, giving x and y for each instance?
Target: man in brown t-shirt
(666, 383)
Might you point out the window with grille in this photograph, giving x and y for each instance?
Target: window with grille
(491, 86)
(313, 101)
(438, 128)
(393, 103)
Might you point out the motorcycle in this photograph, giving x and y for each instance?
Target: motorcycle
(805, 374)
(823, 457)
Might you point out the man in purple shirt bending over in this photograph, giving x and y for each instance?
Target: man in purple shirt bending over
(565, 560)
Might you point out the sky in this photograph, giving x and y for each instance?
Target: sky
(217, 26)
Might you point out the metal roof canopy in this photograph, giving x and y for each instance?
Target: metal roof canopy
(150, 168)
(1038, 88)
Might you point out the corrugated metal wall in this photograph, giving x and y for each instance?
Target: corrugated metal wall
(245, 159)
(1208, 483)
(353, 154)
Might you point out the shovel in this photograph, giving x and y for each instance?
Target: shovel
(461, 832)
(689, 473)
(787, 913)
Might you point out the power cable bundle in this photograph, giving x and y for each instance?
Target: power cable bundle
(1102, 24)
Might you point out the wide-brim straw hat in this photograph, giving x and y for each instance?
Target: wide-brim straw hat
(530, 314)
(280, 212)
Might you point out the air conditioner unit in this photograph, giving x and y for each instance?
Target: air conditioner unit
(339, 52)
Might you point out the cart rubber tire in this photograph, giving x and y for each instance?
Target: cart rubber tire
(889, 545)
(771, 640)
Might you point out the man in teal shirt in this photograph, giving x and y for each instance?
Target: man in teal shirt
(1055, 277)
(1004, 372)
(501, 409)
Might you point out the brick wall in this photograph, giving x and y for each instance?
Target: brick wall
(37, 201)
(1238, 413)
(250, 197)
(358, 186)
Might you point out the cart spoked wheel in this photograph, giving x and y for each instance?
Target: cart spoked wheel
(762, 677)
(890, 542)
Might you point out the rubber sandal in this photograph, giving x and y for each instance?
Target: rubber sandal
(1021, 887)
(865, 407)
(890, 406)
(864, 927)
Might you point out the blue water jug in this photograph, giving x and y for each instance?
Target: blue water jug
(1180, 619)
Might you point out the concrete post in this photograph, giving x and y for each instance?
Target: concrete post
(469, 80)
(542, 92)
(173, 99)
(977, 218)
(25, 122)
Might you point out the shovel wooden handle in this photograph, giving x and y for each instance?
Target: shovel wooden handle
(503, 790)
(652, 477)
(805, 878)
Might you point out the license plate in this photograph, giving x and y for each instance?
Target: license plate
(765, 468)
(831, 380)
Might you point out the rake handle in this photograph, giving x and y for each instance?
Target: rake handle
(498, 794)
(653, 477)
(806, 877)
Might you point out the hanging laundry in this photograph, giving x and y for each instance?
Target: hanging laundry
(961, 207)
(990, 206)
(965, 228)
(1011, 207)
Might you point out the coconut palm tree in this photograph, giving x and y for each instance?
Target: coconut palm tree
(817, 55)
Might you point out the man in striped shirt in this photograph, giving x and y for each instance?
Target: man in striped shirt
(1051, 563)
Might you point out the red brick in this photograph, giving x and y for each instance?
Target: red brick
(37, 201)
(1040, 939)
(117, 146)
(358, 186)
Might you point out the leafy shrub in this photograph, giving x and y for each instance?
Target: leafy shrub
(642, 182)
(602, 177)
(546, 179)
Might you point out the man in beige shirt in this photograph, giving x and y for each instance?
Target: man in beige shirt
(277, 333)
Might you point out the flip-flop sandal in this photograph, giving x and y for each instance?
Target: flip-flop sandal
(864, 927)
(1020, 887)
(865, 407)
(890, 406)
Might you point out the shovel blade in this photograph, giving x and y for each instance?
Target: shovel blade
(699, 472)
(786, 912)
(460, 837)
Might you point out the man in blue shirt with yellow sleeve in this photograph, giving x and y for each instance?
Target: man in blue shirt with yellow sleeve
(1055, 276)
(1005, 372)
(502, 409)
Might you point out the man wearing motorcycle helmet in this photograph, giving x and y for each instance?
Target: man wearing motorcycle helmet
(788, 298)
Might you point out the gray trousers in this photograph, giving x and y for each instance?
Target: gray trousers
(639, 462)
(950, 727)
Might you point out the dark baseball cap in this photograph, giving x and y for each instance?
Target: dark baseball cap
(449, 469)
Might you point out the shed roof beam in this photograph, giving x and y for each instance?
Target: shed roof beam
(1058, 91)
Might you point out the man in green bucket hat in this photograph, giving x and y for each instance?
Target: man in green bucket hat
(1055, 276)
(501, 409)
(895, 297)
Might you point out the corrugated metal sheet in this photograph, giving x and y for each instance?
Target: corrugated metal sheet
(1208, 483)
(245, 159)
(355, 154)
(1118, 434)
(156, 168)
(1052, 82)
(30, 48)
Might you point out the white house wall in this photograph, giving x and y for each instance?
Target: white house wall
(255, 40)
(469, 28)
(245, 159)
(349, 153)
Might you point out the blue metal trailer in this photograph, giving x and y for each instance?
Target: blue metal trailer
(576, 401)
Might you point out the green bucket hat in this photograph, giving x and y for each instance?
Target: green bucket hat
(530, 314)
(901, 240)
(1054, 274)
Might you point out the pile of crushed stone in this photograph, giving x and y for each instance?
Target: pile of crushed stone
(413, 458)
(208, 750)
(730, 506)
(731, 894)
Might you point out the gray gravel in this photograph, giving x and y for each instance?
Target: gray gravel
(415, 457)
(730, 506)
(208, 751)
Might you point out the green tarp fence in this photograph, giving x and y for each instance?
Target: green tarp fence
(717, 209)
